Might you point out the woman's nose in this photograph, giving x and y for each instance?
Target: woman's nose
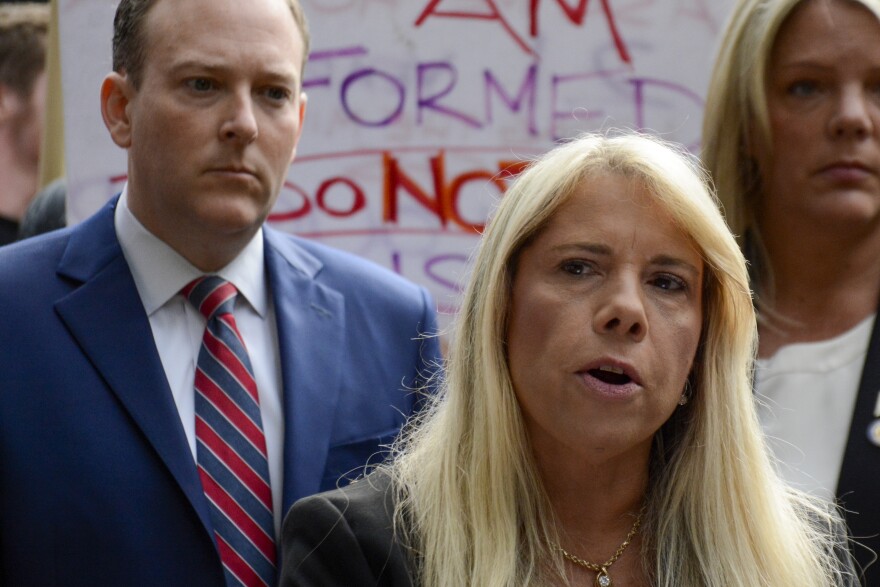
(853, 117)
(621, 311)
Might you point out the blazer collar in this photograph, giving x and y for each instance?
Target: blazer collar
(311, 336)
(105, 315)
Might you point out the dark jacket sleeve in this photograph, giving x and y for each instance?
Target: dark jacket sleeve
(344, 538)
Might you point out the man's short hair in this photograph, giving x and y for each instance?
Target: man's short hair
(129, 46)
(23, 29)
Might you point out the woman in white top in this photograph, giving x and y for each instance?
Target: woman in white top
(792, 139)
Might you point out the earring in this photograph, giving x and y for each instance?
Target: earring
(685, 394)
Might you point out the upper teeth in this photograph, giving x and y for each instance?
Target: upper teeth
(611, 369)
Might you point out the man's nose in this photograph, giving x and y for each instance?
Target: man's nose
(240, 123)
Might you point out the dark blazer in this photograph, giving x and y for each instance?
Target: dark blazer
(345, 538)
(858, 487)
(98, 485)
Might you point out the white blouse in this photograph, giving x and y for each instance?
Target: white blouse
(806, 393)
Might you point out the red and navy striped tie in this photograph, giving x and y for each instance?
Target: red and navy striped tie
(230, 445)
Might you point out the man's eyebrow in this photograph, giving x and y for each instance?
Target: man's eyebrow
(216, 68)
(197, 64)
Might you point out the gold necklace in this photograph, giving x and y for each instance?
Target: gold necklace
(603, 579)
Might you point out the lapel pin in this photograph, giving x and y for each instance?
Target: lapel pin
(874, 427)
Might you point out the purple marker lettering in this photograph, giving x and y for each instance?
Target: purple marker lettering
(431, 102)
(370, 73)
(526, 92)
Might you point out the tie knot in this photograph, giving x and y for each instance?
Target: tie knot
(211, 295)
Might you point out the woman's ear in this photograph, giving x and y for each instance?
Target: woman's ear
(116, 95)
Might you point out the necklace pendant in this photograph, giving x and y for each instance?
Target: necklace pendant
(603, 579)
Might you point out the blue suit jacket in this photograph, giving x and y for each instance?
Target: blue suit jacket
(97, 482)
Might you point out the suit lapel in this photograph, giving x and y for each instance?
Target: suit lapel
(858, 487)
(311, 327)
(106, 317)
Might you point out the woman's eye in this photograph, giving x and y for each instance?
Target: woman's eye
(576, 267)
(669, 283)
(803, 88)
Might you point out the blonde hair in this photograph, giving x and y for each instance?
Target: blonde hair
(736, 116)
(471, 504)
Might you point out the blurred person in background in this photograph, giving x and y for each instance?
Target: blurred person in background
(23, 30)
(792, 139)
(47, 210)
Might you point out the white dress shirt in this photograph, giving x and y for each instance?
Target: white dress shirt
(806, 395)
(159, 273)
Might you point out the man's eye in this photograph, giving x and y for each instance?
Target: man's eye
(278, 94)
(200, 84)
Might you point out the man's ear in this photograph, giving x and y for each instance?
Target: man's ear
(303, 101)
(10, 103)
(116, 95)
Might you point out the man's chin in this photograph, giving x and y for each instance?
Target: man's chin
(231, 217)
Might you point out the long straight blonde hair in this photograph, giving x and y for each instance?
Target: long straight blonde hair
(471, 505)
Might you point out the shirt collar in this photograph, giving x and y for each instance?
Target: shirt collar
(160, 272)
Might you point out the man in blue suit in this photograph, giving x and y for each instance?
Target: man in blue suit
(101, 473)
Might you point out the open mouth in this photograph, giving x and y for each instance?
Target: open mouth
(610, 375)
